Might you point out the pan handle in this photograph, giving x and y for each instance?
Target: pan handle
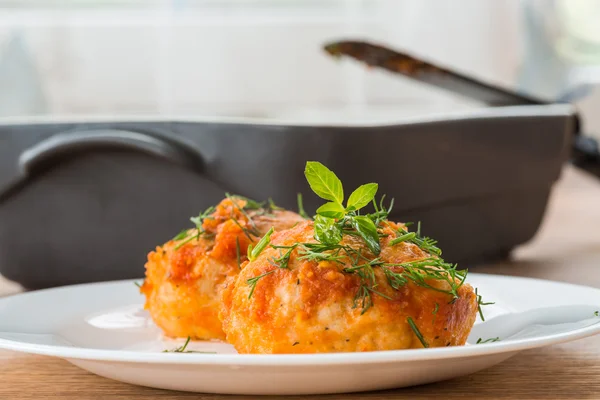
(67, 143)
(586, 154)
(585, 151)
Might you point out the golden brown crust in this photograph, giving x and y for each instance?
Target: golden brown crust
(309, 307)
(183, 284)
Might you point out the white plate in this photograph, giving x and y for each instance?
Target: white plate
(103, 329)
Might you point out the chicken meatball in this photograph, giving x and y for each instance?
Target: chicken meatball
(307, 304)
(184, 277)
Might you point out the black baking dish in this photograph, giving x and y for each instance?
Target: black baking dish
(83, 202)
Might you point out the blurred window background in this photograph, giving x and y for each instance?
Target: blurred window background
(263, 59)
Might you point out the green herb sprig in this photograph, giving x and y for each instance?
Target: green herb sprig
(417, 332)
(243, 209)
(185, 236)
(180, 349)
(250, 204)
(334, 220)
(480, 303)
(254, 252)
(491, 340)
(181, 235)
(183, 349)
(425, 243)
(253, 281)
(250, 233)
(273, 206)
(301, 211)
(197, 221)
(284, 257)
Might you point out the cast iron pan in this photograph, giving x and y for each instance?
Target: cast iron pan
(84, 201)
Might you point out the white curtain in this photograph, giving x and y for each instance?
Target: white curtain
(263, 59)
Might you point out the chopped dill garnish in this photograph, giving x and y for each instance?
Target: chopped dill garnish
(368, 281)
(322, 252)
(284, 257)
(197, 221)
(403, 238)
(253, 281)
(491, 340)
(181, 235)
(417, 332)
(272, 205)
(419, 271)
(243, 209)
(138, 284)
(301, 211)
(250, 204)
(254, 252)
(426, 244)
(182, 349)
(248, 232)
(179, 349)
(189, 239)
(381, 213)
(481, 303)
(363, 298)
(435, 310)
(367, 286)
(597, 313)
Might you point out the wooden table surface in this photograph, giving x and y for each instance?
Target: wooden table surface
(567, 248)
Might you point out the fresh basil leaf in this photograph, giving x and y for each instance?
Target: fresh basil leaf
(362, 196)
(324, 182)
(327, 231)
(368, 231)
(254, 252)
(332, 210)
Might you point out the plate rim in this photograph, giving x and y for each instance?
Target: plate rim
(293, 360)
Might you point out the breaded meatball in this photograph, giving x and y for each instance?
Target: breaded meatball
(184, 277)
(316, 307)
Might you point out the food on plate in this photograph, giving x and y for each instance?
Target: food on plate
(348, 281)
(184, 277)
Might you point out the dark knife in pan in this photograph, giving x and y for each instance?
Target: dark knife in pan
(586, 153)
